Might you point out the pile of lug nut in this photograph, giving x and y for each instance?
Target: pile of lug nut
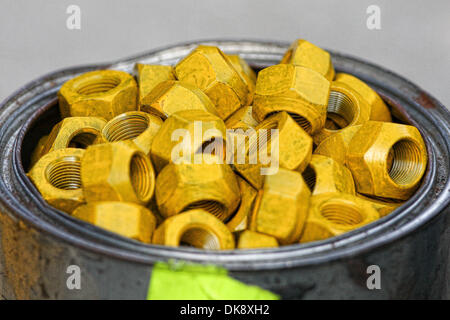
(340, 162)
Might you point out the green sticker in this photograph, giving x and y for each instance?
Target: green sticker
(200, 282)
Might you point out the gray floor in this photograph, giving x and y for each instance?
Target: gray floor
(414, 39)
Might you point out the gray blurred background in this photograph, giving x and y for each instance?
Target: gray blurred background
(414, 39)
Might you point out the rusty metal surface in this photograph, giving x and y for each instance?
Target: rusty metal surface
(411, 245)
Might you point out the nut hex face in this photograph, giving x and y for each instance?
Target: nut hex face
(149, 76)
(387, 159)
(246, 72)
(57, 177)
(254, 240)
(74, 132)
(136, 126)
(212, 187)
(300, 91)
(197, 228)
(325, 175)
(332, 214)
(202, 127)
(208, 68)
(127, 219)
(117, 171)
(171, 96)
(242, 119)
(103, 93)
(240, 219)
(293, 150)
(281, 207)
(304, 53)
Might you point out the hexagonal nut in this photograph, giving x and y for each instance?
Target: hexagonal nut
(325, 175)
(74, 132)
(304, 53)
(346, 108)
(103, 93)
(117, 171)
(197, 228)
(281, 207)
(240, 219)
(171, 96)
(332, 214)
(387, 159)
(292, 150)
(209, 186)
(127, 219)
(242, 119)
(57, 177)
(378, 109)
(254, 240)
(381, 205)
(246, 72)
(301, 92)
(210, 70)
(149, 76)
(139, 127)
(196, 128)
(336, 145)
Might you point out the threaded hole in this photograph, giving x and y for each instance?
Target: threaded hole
(200, 238)
(341, 110)
(214, 207)
(309, 175)
(65, 173)
(302, 122)
(99, 86)
(341, 213)
(140, 176)
(125, 127)
(82, 140)
(407, 162)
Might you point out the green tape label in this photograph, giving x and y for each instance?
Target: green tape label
(200, 282)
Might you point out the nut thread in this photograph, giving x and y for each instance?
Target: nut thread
(214, 207)
(407, 162)
(99, 86)
(65, 173)
(342, 213)
(125, 127)
(140, 175)
(341, 105)
(200, 238)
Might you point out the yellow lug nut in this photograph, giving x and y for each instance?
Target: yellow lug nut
(332, 214)
(127, 219)
(212, 187)
(37, 151)
(240, 219)
(202, 127)
(149, 76)
(242, 119)
(304, 53)
(378, 109)
(139, 127)
(336, 145)
(246, 72)
(210, 70)
(301, 92)
(387, 159)
(346, 107)
(74, 132)
(325, 175)
(57, 177)
(382, 206)
(254, 240)
(117, 171)
(103, 93)
(281, 207)
(171, 96)
(197, 228)
(293, 153)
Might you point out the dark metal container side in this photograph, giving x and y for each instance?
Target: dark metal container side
(38, 243)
